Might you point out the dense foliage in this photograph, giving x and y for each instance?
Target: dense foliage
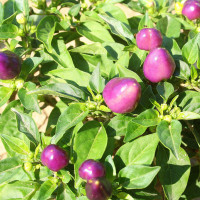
(125, 120)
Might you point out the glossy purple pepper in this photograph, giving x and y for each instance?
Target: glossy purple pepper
(158, 65)
(98, 189)
(191, 9)
(54, 157)
(148, 39)
(91, 169)
(10, 65)
(122, 95)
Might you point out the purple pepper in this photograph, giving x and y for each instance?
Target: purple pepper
(122, 95)
(148, 39)
(158, 65)
(54, 157)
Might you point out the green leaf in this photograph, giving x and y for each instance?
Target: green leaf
(123, 61)
(60, 54)
(64, 192)
(8, 9)
(97, 82)
(1, 13)
(80, 77)
(27, 126)
(95, 48)
(119, 28)
(169, 26)
(10, 19)
(137, 59)
(19, 146)
(148, 118)
(137, 176)
(174, 173)
(170, 135)
(190, 50)
(8, 31)
(141, 151)
(110, 168)
(173, 47)
(69, 118)
(115, 50)
(8, 125)
(182, 70)
(29, 65)
(30, 102)
(187, 115)
(144, 101)
(134, 130)
(11, 169)
(46, 190)
(165, 89)
(55, 114)
(124, 72)
(45, 31)
(95, 141)
(145, 22)
(189, 101)
(186, 24)
(74, 10)
(18, 190)
(94, 31)
(194, 128)
(5, 94)
(198, 60)
(62, 90)
(118, 125)
(114, 11)
(194, 73)
(22, 6)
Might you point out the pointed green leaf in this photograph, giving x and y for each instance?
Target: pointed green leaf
(97, 82)
(133, 130)
(11, 169)
(16, 144)
(169, 26)
(61, 90)
(165, 89)
(190, 50)
(69, 118)
(46, 190)
(187, 115)
(30, 102)
(182, 70)
(28, 66)
(148, 118)
(145, 22)
(95, 48)
(45, 31)
(80, 77)
(8, 31)
(174, 173)
(18, 190)
(137, 176)
(94, 31)
(139, 152)
(119, 28)
(60, 54)
(27, 125)
(5, 94)
(170, 135)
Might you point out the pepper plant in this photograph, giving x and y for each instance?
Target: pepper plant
(125, 93)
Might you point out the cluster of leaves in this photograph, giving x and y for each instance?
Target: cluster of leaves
(148, 154)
